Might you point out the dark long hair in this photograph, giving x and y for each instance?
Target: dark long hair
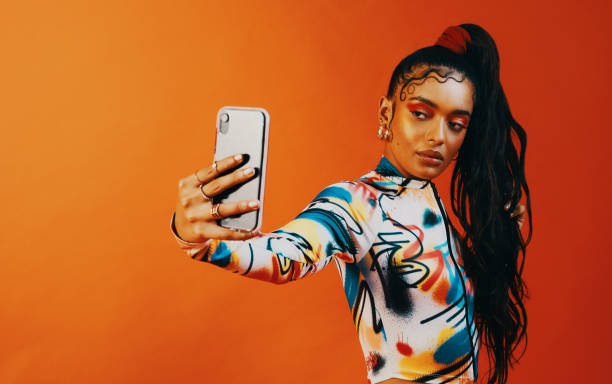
(489, 172)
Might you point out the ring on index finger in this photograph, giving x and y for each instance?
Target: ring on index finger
(206, 197)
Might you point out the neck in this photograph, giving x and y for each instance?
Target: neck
(391, 158)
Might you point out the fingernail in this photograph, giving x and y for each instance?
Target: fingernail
(253, 204)
(238, 157)
(248, 171)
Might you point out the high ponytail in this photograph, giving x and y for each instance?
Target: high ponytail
(489, 172)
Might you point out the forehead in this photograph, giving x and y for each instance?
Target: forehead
(451, 91)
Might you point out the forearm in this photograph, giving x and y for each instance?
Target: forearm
(254, 259)
(335, 224)
(275, 258)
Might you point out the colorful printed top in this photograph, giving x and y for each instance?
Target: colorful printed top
(397, 255)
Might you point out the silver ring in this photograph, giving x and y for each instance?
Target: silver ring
(214, 165)
(206, 197)
(214, 211)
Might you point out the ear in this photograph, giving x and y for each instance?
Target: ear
(385, 111)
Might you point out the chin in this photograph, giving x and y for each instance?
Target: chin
(428, 173)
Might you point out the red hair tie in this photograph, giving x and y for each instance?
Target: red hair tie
(454, 38)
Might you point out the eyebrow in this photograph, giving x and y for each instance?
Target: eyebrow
(434, 105)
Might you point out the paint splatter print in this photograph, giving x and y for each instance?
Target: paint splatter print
(397, 256)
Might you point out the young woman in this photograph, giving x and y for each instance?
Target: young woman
(422, 295)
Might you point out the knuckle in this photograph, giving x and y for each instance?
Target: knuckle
(204, 190)
(213, 187)
(189, 216)
(235, 178)
(230, 160)
(210, 173)
(222, 210)
(198, 230)
(237, 235)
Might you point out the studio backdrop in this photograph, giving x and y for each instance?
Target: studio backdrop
(106, 105)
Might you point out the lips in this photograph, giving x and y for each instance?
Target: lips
(433, 154)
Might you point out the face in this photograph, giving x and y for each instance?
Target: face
(429, 119)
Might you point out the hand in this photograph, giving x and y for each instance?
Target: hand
(518, 211)
(194, 219)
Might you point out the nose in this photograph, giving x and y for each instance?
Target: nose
(436, 131)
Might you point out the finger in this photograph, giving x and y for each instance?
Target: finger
(206, 174)
(222, 183)
(204, 212)
(192, 198)
(231, 209)
(221, 233)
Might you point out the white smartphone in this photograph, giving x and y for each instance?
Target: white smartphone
(242, 130)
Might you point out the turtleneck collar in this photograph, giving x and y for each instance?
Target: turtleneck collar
(388, 170)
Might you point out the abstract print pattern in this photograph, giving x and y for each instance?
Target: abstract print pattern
(333, 225)
(396, 253)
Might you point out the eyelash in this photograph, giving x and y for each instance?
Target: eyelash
(415, 113)
(458, 127)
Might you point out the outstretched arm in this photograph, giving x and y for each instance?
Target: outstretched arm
(335, 224)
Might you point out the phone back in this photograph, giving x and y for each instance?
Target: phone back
(244, 130)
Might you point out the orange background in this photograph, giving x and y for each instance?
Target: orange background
(105, 105)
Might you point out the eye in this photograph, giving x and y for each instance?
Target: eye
(419, 115)
(456, 126)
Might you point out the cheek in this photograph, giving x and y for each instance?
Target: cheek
(405, 130)
(405, 139)
(455, 141)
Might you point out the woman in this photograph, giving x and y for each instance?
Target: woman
(422, 295)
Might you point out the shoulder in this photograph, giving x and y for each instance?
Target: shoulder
(340, 190)
(356, 192)
(378, 184)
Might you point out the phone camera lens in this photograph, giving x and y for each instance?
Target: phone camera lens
(224, 123)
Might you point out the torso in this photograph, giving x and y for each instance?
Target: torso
(410, 300)
(396, 381)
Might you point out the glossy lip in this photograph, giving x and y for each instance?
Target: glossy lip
(432, 154)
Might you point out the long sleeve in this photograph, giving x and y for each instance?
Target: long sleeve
(335, 224)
